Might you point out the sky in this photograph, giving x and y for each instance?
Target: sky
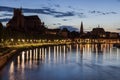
(56, 13)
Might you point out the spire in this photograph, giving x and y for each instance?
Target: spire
(81, 28)
(21, 8)
(98, 26)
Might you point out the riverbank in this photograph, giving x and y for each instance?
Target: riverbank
(7, 52)
(5, 58)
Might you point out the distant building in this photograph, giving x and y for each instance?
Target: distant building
(81, 29)
(52, 31)
(29, 24)
(107, 34)
(82, 34)
(64, 32)
(98, 32)
(112, 35)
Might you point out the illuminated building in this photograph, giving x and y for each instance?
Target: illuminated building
(98, 32)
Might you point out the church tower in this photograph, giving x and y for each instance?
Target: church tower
(19, 18)
(17, 12)
(81, 28)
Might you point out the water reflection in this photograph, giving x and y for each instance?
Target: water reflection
(70, 59)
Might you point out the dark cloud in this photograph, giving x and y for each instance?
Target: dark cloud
(101, 13)
(7, 14)
(54, 24)
(70, 28)
(113, 12)
(53, 12)
(70, 7)
(57, 5)
(67, 14)
(43, 10)
(81, 15)
(8, 9)
(4, 20)
(118, 28)
(65, 19)
(57, 24)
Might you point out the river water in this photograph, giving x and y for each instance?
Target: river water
(65, 62)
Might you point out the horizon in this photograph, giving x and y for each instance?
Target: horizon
(56, 13)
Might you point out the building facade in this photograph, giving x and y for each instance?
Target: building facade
(29, 24)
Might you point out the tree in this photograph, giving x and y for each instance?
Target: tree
(1, 30)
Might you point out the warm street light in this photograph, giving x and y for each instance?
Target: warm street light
(31, 40)
(2, 40)
(23, 40)
(18, 40)
(12, 39)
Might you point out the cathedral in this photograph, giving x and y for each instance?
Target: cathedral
(28, 24)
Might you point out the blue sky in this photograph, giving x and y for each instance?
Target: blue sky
(55, 13)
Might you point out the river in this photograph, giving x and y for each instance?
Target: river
(65, 62)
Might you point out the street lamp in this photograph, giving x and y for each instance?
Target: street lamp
(12, 39)
(18, 40)
(23, 40)
(2, 40)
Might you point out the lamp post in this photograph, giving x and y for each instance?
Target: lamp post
(12, 40)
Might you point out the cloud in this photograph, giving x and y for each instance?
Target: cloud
(101, 13)
(70, 7)
(57, 5)
(57, 24)
(55, 13)
(81, 15)
(46, 11)
(67, 14)
(118, 28)
(4, 20)
(65, 19)
(43, 10)
(70, 28)
(8, 9)
(5, 14)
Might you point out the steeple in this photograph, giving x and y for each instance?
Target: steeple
(98, 26)
(81, 28)
(17, 11)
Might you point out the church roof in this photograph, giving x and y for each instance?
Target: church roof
(34, 17)
(98, 31)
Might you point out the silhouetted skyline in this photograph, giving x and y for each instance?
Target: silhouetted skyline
(57, 13)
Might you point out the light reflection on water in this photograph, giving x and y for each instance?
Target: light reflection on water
(65, 62)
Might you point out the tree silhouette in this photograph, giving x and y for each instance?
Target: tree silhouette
(1, 31)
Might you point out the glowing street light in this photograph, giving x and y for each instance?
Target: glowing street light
(23, 40)
(31, 40)
(12, 39)
(18, 40)
(2, 40)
